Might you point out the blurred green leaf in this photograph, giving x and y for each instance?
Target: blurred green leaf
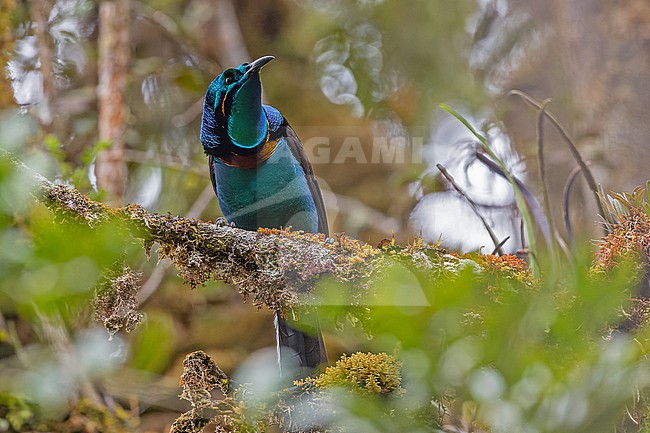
(153, 343)
(189, 79)
(16, 411)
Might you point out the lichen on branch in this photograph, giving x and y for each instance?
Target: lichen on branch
(116, 301)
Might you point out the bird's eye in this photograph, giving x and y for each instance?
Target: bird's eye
(229, 76)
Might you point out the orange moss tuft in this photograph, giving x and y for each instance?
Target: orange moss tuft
(630, 238)
(507, 262)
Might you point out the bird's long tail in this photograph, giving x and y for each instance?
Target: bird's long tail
(299, 347)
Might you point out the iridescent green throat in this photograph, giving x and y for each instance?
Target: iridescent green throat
(247, 124)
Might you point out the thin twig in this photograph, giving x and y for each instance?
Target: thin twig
(563, 246)
(530, 199)
(524, 210)
(542, 171)
(572, 147)
(475, 208)
(498, 247)
(3, 323)
(189, 115)
(565, 204)
(14, 340)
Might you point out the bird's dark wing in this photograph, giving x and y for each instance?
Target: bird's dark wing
(307, 345)
(298, 151)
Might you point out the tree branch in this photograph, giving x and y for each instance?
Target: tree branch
(275, 268)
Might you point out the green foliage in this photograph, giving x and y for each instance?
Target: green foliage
(153, 343)
(69, 171)
(621, 205)
(50, 265)
(95, 417)
(15, 412)
(517, 353)
(59, 263)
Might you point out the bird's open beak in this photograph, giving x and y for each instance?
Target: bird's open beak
(257, 64)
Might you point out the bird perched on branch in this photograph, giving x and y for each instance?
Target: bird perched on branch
(262, 178)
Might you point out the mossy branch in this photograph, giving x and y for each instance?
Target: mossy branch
(274, 268)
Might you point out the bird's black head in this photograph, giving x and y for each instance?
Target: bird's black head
(232, 111)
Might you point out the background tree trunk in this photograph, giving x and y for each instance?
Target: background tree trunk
(114, 55)
(6, 47)
(40, 11)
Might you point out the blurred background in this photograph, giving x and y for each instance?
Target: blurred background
(106, 96)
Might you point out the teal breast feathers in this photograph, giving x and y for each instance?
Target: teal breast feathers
(273, 195)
